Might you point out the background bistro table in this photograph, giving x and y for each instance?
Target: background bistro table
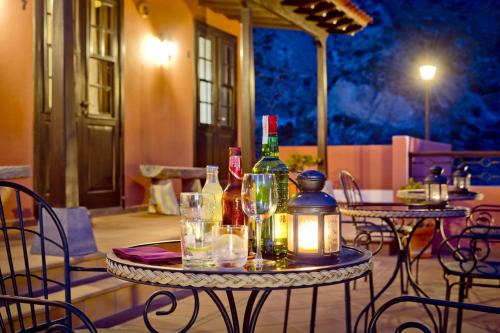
(350, 264)
(389, 213)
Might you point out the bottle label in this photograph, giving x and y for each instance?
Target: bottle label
(235, 167)
(265, 129)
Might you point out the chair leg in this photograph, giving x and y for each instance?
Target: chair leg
(468, 286)
(402, 281)
(461, 294)
(446, 309)
(372, 292)
(417, 269)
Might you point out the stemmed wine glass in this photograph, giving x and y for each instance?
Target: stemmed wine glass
(259, 196)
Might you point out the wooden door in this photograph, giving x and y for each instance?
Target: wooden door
(99, 122)
(43, 99)
(216, 117)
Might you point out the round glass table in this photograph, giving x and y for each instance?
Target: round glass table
(349, 264)
(389, 213)
(419, 195)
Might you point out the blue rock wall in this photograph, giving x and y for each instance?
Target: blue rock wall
(374, 88)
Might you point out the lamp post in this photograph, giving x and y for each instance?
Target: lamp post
(427, 73)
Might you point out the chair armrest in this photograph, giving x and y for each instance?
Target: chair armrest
(53, 325)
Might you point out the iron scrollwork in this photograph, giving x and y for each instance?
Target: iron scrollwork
(173, 307)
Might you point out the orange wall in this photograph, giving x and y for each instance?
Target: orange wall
(16, 89)
(159, 102)
(371, 165)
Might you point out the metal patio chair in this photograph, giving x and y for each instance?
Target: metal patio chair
(469, 260)
(27, 282)
(417, 324)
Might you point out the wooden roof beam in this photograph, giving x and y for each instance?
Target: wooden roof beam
(326, 15)
(276, 7)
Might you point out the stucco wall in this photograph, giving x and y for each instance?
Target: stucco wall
(16, 84)
(371, 165)
(159, 102)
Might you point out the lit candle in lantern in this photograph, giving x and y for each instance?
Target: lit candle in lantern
(308, 231)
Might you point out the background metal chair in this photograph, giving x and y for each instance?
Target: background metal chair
(469, 259)
(418, 325)
(26, 279)
(17, 301)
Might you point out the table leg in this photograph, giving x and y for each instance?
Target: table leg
(312, 322)
(408, 262)
(173, 306)
(399, 262)
(251, 313)
(191, 185)
(347, 307)
(287, 309)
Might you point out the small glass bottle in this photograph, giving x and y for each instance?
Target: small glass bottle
(232, 212)
(212, 185)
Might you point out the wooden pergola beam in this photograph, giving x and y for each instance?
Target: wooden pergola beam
(322, 106)
(287, 13)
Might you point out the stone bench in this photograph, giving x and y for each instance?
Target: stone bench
(10, 172)
(162, 197)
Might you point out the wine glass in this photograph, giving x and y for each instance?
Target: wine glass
(259, 196)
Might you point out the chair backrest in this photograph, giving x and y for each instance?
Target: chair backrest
(350, 188)
(23, 272)
(419, 323)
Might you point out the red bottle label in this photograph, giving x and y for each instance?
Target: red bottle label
(235, 167)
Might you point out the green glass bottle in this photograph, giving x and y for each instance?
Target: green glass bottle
(274, 230)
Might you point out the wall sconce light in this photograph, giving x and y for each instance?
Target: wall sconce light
(159, 52)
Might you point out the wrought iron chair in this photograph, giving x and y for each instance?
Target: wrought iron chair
(50, 306)
(418, 325)
(27, 281)
(470, 259)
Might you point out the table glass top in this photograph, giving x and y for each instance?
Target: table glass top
(347, 257)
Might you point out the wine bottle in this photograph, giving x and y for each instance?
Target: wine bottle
(274, 229)
(232, 211)
(212, 185)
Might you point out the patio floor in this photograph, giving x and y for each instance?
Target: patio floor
(139, 227)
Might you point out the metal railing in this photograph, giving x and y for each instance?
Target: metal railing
(484, 166)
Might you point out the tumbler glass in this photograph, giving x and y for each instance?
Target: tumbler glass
(230, 246)
(197, 242)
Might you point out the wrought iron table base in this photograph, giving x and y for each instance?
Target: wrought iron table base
(252, 310)
(404, 264)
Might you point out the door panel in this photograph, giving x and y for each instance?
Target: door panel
(216, 97)
(99, 123)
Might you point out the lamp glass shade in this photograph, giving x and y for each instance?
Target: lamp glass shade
(331, 234)
(427, 72)
(307, 233)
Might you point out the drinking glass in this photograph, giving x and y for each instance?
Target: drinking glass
(197, 205)
(259, 196)
(230, 246)
(197, 242)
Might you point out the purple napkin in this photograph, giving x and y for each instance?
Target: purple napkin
(147, 254)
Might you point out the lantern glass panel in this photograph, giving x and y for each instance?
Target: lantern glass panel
(290, 233)
(331, 234)
(444, 192)
(433, 192)
(467, 181)
(308, 233)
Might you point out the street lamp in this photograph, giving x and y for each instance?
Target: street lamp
(427, 73)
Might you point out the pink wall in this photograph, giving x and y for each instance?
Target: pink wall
(371, 165)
